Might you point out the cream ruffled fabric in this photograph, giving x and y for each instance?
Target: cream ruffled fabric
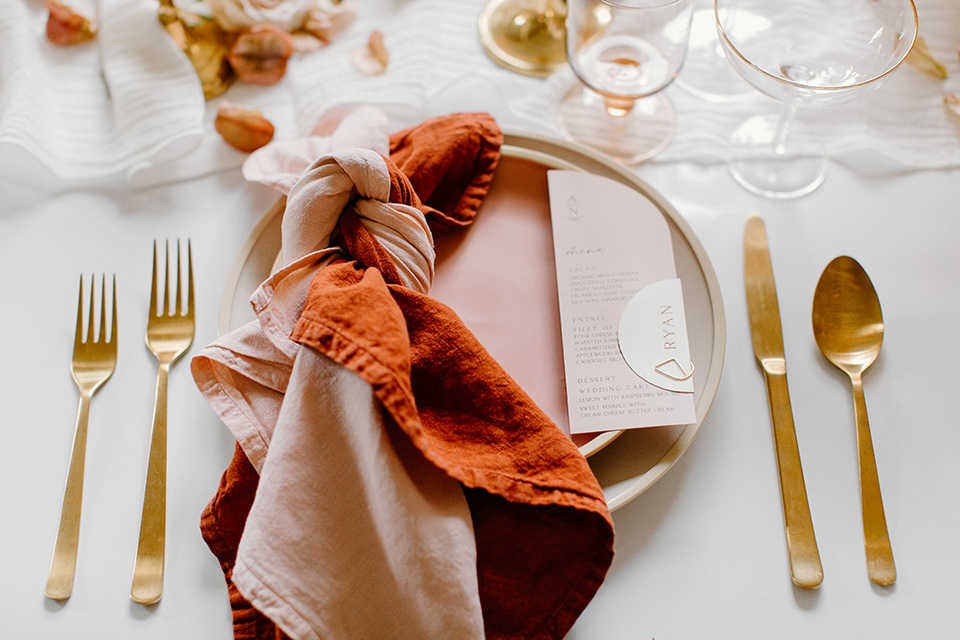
(151, 115)
(118, 104)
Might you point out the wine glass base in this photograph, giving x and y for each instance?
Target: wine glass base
(631, 138)
(774, 174)
(520, 37)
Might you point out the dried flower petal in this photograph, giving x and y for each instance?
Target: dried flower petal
(371, 60)
(304, 42)
(921, 58)
(260, 55)
(242, 128)
(952, 100)
(66, 27)
(236, 15)
(378, 50)
(329, 18)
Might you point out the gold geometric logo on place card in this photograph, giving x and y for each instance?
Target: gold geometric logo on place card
(673, 369)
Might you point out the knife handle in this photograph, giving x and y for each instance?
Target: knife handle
(805, 567)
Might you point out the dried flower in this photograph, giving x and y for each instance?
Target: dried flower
(242, 128)
(327, 19)
(952, 100)
(372, 59)
(289, 15)
(921, 58)
(66, 27)
(259, 56)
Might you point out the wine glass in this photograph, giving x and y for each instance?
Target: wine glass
(625, 52)
(805, 53)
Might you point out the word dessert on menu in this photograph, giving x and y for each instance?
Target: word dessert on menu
(625, 350)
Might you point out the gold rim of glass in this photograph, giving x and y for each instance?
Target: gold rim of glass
(801, 85)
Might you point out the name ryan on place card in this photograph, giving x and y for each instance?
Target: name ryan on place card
(626, 355)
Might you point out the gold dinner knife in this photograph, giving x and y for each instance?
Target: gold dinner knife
(805, 567)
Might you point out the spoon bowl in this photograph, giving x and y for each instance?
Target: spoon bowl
(848, 328)
(847, 320)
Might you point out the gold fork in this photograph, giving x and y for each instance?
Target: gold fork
(169, 335)
(93, 363)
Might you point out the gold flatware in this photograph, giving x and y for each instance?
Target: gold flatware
(848, 327)
(765, 330)
(169, 335)
(94, 360)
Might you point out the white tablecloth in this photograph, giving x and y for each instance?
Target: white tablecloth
(701, 554)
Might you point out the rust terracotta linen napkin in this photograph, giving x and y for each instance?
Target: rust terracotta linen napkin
(402, 474)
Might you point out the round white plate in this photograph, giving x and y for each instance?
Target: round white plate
(499, 276)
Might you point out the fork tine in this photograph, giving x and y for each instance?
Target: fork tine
(176, 310)
(103, 309)
(189, 280)
(166, 279)
(93, 286)
(78, 339)
(153, 289)
(113, 324)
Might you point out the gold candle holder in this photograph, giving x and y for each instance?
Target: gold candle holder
(527, 36)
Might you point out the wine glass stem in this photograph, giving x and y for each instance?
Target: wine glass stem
(783, 129)
(618, 106)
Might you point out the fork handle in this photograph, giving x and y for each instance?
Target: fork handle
(880, 564)
(63, 566)
(148, 570)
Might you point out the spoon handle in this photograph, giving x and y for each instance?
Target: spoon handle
(876, 540)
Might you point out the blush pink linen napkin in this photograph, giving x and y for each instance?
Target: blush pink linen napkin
(407, 487)
(353, 534)
(280, 163)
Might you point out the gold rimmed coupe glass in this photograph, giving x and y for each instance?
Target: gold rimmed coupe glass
(805, 53)
(624, 52)
(706, 72)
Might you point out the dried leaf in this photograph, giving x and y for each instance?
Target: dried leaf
(921, 58)
(205, 43)
(242, 128)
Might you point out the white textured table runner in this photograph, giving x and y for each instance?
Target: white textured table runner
(152, 110)
(126, 99)
(434, 42)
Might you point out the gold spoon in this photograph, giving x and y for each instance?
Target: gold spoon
(848, 327)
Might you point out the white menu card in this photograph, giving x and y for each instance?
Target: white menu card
(625, 350)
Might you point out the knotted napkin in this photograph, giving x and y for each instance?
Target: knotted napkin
(390, 479)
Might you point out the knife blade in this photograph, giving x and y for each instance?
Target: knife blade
(767, 334)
